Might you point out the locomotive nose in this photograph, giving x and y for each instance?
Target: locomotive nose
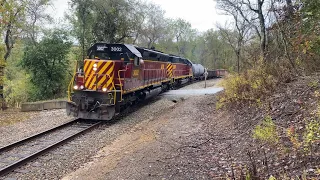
(99, 75)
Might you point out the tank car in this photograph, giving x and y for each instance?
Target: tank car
(198, 71)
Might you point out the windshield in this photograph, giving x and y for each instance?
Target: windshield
(99, 55)
(105, 55)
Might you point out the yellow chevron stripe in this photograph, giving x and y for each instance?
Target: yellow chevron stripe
(104, 67)
(102, 80)
(99, 64)
(93, 77)
(89, 74)
(110, 81)
(88, 80)
(93, 82)
(169, 70)
(86, 64)
(101, 71)
(110, 72)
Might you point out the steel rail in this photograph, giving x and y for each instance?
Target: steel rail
(10, 146)
(27, 159)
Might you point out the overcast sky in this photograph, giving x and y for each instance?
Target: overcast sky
(200, 13)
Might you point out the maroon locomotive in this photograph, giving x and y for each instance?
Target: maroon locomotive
(117, 75)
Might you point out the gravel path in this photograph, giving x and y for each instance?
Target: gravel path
(211, 83)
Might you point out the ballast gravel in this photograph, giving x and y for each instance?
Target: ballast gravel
(32, 123)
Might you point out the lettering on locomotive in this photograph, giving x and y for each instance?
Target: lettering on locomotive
(136, 72)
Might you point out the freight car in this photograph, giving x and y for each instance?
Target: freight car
(216, 73)
(117, 75)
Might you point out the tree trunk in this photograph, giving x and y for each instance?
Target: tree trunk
(1, 86)
(238, 61)
(263, 43)
(290, 8)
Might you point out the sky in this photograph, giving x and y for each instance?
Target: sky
(202, 14)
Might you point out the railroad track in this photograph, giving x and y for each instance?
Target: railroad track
(22, 152)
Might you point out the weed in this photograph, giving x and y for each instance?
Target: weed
(311, 134)
(316, 94)
(266, 132)
(313, 84)
(293, 136)
(272, 178)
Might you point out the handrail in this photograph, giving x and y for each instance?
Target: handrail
(71, 84)
(119, 79)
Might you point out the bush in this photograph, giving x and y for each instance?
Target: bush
(48, 63)
(251, 85)
(17, 90)
(311, 134)
(266, 132)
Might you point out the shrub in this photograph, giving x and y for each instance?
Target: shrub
(311, 134)
(17, 90)
(47, 62)
(266, 132)
(251, 85)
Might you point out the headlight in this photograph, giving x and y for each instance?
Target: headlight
(95, 65)
(95, 69)
(81, 87)
(75, 87)
(104, 89)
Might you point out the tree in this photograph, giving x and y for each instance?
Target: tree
(35, 14)
(154, 27)
(12, 19)
(253, 14)
(112, 21)
(183, 34)
(47, 63)
(235, 38)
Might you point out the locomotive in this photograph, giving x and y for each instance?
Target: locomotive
(115, 76)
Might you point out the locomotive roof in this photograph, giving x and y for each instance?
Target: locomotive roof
(121, 48)
(145, 53)
(151, 54)
(150, 50)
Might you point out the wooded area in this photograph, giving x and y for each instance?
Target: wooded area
(267, 119)
(39, 58)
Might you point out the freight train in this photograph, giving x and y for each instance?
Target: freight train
(115, 76)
